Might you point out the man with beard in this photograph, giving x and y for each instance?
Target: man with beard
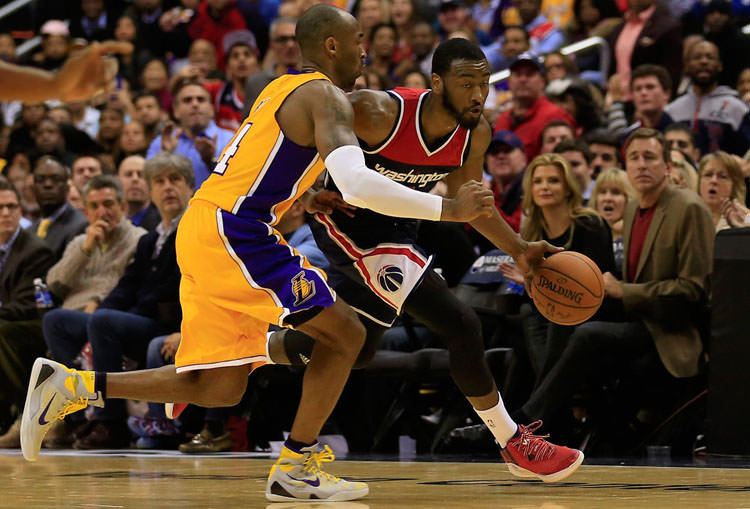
(417, 138)
(140, 210)
(716, 115)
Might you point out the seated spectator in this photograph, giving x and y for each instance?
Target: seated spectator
(680, 137)
(612, 192)
(553, 133)
(733, 45)
(544, 34)
(558, 66)
(382, 42)
(553, 210)
(24, 258)
(155, 80)
(22, 135)
(452, 15)
(132, 140)
(650, 87)
(49, 141)
(592, 18)
(7, 48)
(140, 210)
(605, 150)
(663, 289)
(228, 96)
(147, 111)
(580, 99)
(59, 221)
(84, 117)
(514, 41)
(144, 303)
(531, 110)
(213, 20)
(111, 123)
(719, 119)
(195, 136)
(505, 162)
(84, 168)
(201, 61)
(55, 46)
(682, 173)
(283, 55)
(579, 157)
(423, 40)
(743, 85)
(95, 23)
(720, 180)
(648, 35)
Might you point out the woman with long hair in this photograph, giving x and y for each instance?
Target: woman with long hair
(553, 211)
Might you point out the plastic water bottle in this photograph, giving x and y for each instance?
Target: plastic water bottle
(42, 296)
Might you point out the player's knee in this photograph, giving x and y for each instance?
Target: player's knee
(350, 335)
(221, 390)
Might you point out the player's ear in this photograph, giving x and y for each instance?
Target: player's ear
(437, 83)
(330, 45)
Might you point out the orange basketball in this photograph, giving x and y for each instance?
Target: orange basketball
(568, 288)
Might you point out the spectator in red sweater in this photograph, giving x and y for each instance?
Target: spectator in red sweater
(214, 20)
(531, 110)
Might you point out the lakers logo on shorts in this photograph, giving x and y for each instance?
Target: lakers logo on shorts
(302, 288)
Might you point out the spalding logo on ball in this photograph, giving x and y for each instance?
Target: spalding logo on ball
(568, 288)
(390, 278)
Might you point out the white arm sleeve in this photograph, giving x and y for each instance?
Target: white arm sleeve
(366, 188)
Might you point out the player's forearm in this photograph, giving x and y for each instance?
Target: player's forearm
(27, 84)
(497, 231)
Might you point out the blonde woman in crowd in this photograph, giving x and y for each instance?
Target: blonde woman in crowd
(720, 181)
(682, 173)
(611, 193)
(553, 212)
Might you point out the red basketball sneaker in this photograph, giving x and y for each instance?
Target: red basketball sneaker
(529, 455)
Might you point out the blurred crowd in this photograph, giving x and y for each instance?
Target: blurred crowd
(92, 193)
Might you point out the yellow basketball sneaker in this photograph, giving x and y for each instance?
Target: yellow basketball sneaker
(296, 475)
(54, 392)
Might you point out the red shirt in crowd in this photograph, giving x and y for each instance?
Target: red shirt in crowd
(205, 26)
(529, 126)
(228, 104)
(638, 238)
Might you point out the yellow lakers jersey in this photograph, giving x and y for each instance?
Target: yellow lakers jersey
(261, 172)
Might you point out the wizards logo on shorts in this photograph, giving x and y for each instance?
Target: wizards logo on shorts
(390, 278)
(302, 288)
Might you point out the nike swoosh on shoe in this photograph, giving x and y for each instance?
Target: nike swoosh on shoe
(314, 483)
(42, 421)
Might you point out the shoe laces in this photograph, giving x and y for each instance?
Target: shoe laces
(72, 406)
(312, 464)
(537, 445)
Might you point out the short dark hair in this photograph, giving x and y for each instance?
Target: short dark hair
(575, 145)
(661, 74)
(145, 93)
(102, 182)
(315, 25)
(454, 49)
(681, 127)
(50, 159)
(555, 123)
(645, 133)
(186, 82)
(6, 185)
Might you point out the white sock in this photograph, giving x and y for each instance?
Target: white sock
(268, 345)
(499, 422)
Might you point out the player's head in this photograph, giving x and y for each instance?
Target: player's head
(330, 38)
(460, 77)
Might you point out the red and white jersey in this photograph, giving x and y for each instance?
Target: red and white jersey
(404, 155)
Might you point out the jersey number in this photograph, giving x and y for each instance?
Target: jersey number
(221, 165)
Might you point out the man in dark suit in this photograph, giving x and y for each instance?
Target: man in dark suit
(664, 286)
(143, 305)
(648, 35)
(59, 221)
(23, 258)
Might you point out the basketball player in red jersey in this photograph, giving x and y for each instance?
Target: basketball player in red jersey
(417, 138)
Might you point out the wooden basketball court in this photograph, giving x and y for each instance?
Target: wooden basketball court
(113, 479)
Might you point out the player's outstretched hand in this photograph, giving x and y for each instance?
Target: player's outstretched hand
(532, 257)
(89, 72)
(471, 201)
(325, 202)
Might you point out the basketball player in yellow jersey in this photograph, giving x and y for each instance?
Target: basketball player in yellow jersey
(239, 275)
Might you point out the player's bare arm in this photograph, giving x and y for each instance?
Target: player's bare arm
(526, 254)
(375, 114)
